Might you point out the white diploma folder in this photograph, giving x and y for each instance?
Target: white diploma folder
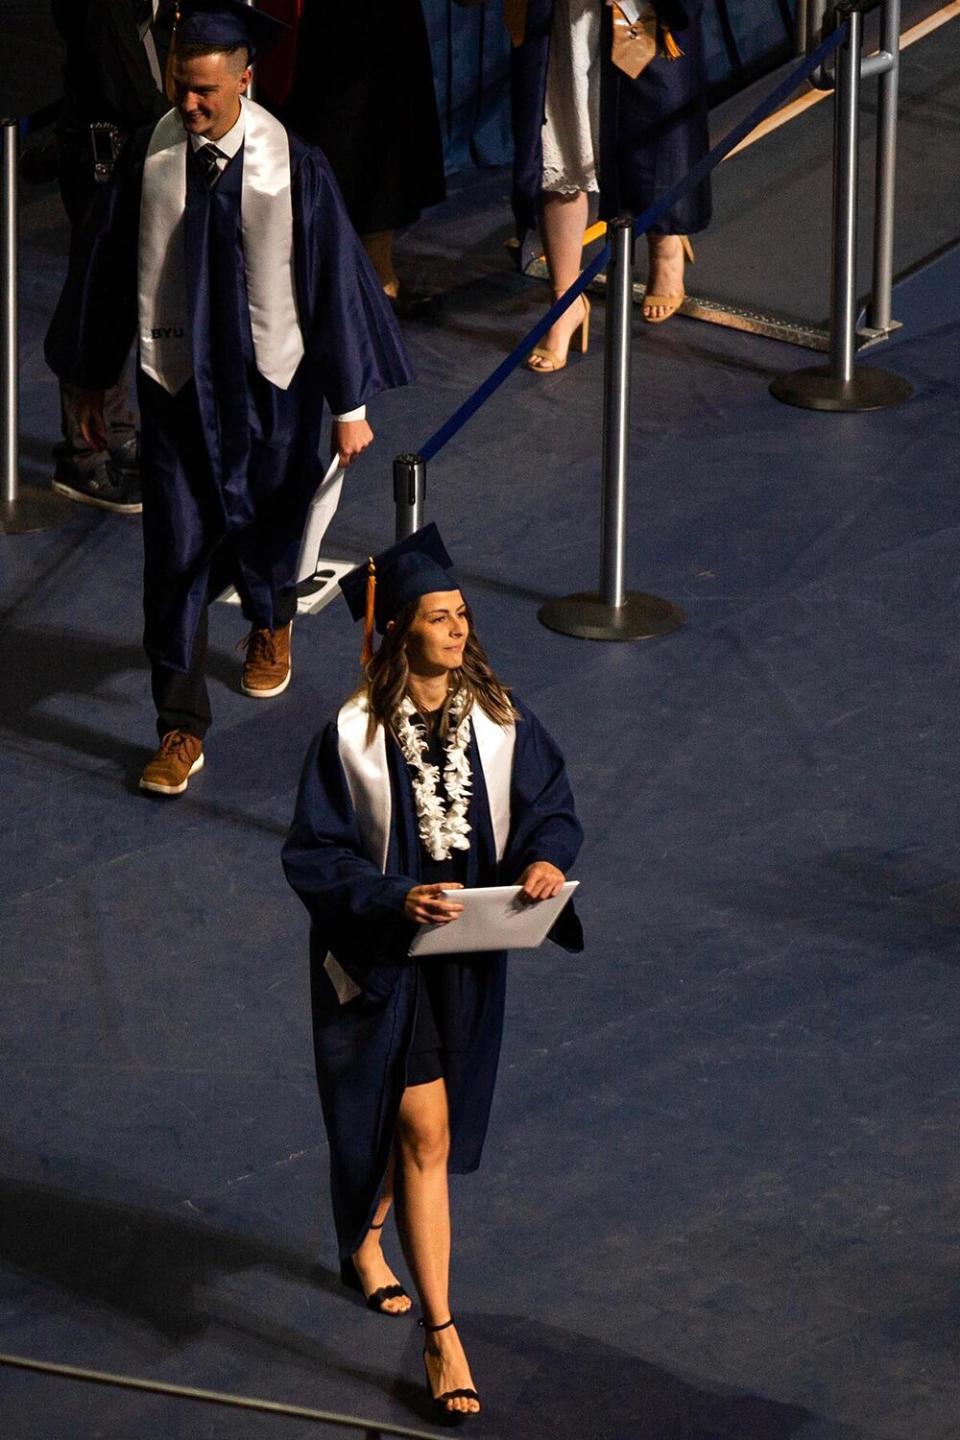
(322, 510)
(492, 919)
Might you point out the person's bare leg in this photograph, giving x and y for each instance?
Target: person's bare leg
(371, 1266)
(379, 246)
(563, 221)
(665, 271)
(423, 1215)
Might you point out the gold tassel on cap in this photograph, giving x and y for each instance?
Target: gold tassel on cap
(366, 654)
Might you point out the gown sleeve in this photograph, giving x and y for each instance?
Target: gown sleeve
(350, 334)
(356, 909)
(95, 321)
(545, 824)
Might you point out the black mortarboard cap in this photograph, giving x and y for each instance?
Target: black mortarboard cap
(413, 567)
(227, 23)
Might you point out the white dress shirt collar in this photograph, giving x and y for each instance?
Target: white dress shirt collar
(228, 144)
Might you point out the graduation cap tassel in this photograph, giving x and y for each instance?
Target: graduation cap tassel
(168, 86)
(671, 49)
(366, 654)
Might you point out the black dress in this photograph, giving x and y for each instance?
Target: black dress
(437, 1036)
(363, 92)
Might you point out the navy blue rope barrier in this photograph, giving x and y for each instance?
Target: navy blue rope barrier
(643, 222)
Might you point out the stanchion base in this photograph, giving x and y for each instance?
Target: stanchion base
(641, 617)
(817, 389)
(35, 510)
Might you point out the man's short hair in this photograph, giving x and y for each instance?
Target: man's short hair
(237, 55)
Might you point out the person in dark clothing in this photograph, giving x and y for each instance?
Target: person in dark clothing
(432, 778)
(112, 80)
(363, 92)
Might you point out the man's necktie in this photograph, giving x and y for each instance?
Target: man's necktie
(208, 155)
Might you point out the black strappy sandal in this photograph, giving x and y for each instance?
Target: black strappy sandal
(350, 1278)
(439, 1402)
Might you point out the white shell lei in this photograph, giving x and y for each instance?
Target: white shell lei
(441, 830)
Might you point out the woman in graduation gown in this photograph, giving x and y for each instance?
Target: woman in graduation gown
(604, 105)
(430, 778)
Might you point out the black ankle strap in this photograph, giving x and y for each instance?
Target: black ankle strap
(377, 1227)
(424, 1326)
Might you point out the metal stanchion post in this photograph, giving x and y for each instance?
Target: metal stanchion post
(840, 385)
(879, 312)
(614, 613)
(409, 489)
(22, 509)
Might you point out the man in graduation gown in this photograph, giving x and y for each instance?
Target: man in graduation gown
(224, 245)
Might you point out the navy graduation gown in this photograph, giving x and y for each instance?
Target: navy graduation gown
(356, 913)
(230, 463)
(653, 129)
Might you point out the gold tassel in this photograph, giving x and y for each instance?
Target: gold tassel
(671, 49)
(366, 654)
(168, 86)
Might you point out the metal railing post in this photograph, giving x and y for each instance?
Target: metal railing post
(846, 165)
(616, 413)
(879, 312)
(614, 613)
(409, 490)
(840, 385)
(22, 509)
(9, 358)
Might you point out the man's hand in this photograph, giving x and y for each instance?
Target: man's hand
(425, 904)
(89, 415)
(540, 881)
(349, 438)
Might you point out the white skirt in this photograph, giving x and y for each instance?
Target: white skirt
(571, 130)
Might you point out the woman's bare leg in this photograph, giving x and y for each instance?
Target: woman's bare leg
(665, 271)
(379, 246)
(563, 221)
(423, 1212)
(371, 1266)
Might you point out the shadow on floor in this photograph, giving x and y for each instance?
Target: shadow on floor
(162, 1270)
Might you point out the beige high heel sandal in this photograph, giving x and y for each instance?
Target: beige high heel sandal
(544, 361)
(669, 303)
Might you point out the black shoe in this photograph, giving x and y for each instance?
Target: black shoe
(350, 1278)
(126, 457)
(439, 1402)
(415, 304)
(106, 486)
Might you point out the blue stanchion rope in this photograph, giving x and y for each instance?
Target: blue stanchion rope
(642, 224)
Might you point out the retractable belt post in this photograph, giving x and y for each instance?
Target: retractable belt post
(409, 488)
(614, 613)
(840, 385)
(22, 509)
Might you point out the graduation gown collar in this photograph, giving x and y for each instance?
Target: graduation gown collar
(266, 222)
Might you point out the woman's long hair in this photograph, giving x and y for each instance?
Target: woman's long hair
(387, 674)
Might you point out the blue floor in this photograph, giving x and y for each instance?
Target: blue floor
(720, 1194)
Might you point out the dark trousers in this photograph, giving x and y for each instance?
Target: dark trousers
(182, 700)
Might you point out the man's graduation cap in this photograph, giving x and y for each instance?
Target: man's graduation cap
(226, 24)
(377, 591)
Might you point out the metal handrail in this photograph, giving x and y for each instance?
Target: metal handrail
(373, 1429)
